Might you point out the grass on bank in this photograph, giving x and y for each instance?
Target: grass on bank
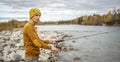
(11, 24)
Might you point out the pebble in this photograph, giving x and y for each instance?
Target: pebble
(76, 58)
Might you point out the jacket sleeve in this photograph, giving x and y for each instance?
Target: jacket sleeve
(37, 42)
(46, 41)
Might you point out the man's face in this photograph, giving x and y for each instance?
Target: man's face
(36, 18)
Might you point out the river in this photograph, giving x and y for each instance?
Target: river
(94, 43)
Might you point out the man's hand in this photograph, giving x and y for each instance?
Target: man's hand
(53, 42)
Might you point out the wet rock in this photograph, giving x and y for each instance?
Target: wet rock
(56, 59)
(17, 57)
(7, 48)
(6, 58)
(76, 58)
(3, 45)
(12, 55)
(1, 56)
(71, 48)
(44, 57)
(2, 40)
(73, 41)
(65, 49)
(51, 59)
(6, 38)
(21, 53)
(1, 61)
(60, 45)
(76, 49)
(12, 50)
(1, 49)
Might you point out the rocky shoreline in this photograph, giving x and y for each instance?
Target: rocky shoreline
(12, 50)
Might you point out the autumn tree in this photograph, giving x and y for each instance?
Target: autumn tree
(85, 19)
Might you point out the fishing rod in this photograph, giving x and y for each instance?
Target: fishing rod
(85, 36)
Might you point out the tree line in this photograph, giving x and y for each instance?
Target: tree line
(11, 24)
(111, 18)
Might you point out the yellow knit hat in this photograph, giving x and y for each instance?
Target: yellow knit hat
(33, 11)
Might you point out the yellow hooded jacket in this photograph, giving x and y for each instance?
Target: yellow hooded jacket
(32, 42)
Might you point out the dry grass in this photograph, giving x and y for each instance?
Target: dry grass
(11, 24)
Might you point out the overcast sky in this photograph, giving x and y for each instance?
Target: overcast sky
(53, 10)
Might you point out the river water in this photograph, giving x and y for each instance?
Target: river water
(94, 43)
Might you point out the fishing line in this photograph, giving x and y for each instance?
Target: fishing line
(87, 36)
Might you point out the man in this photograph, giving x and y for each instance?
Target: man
(32, 42)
